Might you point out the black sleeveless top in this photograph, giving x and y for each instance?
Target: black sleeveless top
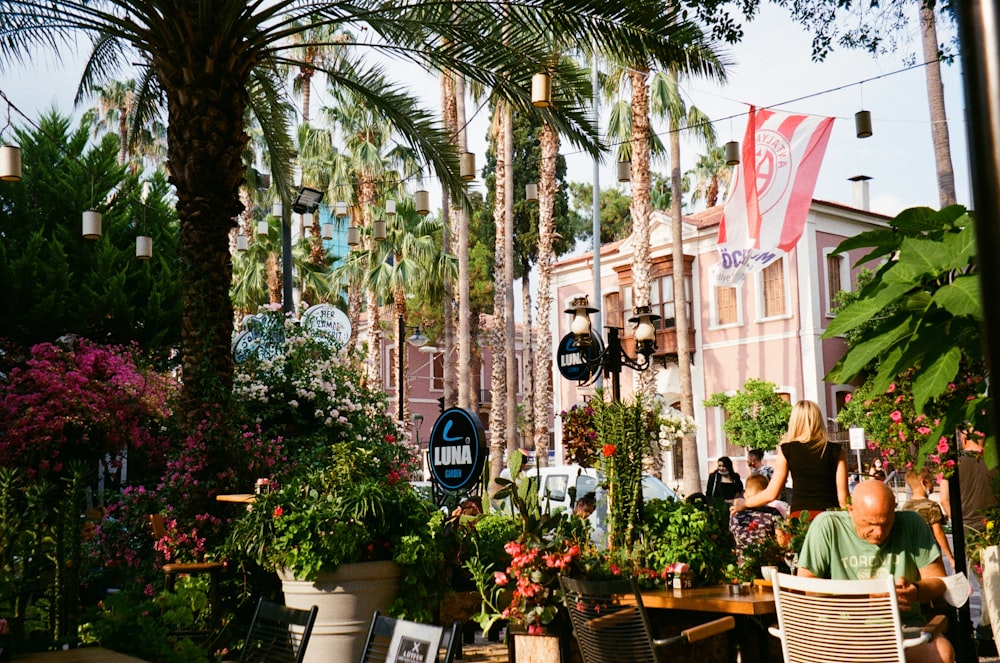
(814, 475)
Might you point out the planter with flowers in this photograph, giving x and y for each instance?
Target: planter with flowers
(346, 508)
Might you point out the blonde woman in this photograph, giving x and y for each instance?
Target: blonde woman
(817, 465)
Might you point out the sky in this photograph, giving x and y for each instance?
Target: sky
(771, 68)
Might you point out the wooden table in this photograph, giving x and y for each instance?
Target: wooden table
(240, 498)
(759, 601)
(687, 607)
(79, 655)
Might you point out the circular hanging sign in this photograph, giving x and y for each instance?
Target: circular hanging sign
(329, 320)
(579, 363)
(457, 449)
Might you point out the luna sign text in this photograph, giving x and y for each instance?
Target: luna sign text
(578, 363)
(457, 449)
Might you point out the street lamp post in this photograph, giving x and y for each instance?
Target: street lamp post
(612, 357)
(416, 340)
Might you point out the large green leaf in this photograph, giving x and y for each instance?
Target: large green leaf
(961, 297)
(864, 310)
(884, 240)
(937, 373)
(860, 355)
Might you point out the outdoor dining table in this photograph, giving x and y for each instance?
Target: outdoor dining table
(752, 611)
(78, 655)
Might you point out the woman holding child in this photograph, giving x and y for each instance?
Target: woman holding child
(817, 465)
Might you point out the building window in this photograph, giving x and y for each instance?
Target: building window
(613, 310)
(834, 265)
(437, 372)
(725, 305)
(661, 299)
(774, 288)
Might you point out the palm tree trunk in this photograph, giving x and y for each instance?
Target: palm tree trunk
(205, 148)
(640, 208)
(527, 357)
(691, 472)
(399, 366)
(935, 102)
(464, 340)
(549, 140)
(508, 281)
(498, 373)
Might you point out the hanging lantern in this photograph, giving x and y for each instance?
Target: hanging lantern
(378, 230)
(467, 166)
(10, 163)
(91, 224)
(541, 90)
(422, 200)
(863, 123)
(242, 243)
(531, 192)
(390, 207)
(624, 171)
(732, 153)
(341, 208)
(353, 236)
(276, 209)
(326, 231)
(262, 228)
(309, 220)
(143, 247)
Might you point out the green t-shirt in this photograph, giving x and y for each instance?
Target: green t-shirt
(833, 549)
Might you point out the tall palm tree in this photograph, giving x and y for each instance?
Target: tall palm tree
(114, 109)
(679, 116)
(211, 61)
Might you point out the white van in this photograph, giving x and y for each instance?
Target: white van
(554, 485)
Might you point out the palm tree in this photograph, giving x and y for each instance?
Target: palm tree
(212, 61)
(679, 116)
(711, 175)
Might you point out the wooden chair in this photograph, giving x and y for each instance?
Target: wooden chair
(823, 620)
(610, 622)
(386, 631)
(173, 569)
(278, 634)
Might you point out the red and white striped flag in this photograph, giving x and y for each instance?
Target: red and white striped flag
(771, 192)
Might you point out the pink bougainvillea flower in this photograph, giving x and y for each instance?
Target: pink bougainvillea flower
(896, 416)
(892, 388)
(942, 445)
(848, 397)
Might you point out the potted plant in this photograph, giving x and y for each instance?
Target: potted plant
(341, 513)
(353, 529)
(525, 592)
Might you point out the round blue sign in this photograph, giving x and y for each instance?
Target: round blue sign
(579, 363)
(457, 449)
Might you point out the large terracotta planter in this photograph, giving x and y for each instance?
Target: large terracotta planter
(346, 599)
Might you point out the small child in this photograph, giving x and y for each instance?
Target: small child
(758, 523)
(921, 486)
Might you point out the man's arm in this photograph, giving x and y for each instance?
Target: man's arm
(929, 587)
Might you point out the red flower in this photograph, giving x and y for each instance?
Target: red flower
(278, 512)
(609, 450)
(389, 437)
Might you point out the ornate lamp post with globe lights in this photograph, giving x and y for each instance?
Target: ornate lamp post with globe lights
(583, 355)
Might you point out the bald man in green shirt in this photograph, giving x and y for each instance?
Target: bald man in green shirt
(872, 540)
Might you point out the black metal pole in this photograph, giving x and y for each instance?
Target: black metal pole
(400, 349)
(613, 363)
(980, 49)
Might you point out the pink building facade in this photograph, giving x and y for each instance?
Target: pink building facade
(767, 328)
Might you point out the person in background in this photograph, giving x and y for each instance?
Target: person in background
(875, 471)
(585, 506)
(977, 485)
(817, 465)
(921, 486)
(755, 461)
(872, 540)
(758, 523)
(724, 483)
